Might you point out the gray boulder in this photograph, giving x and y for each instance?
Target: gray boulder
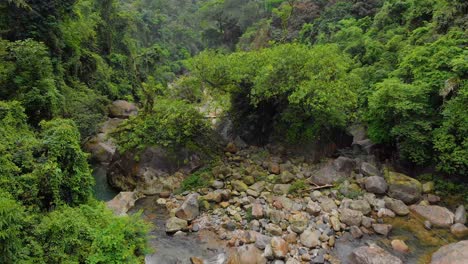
(189, 209)
(437, 215)
(376, 184)
(403, 187)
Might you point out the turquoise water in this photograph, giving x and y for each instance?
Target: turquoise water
(102, 190)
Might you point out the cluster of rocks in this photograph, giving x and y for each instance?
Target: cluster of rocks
(253, 205)
(101, 145)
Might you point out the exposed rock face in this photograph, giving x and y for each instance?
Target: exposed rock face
(189, 209)
(403, 187)
(150, 173)
(455, 253)
(123, 202)
(101, 147)
(374, 255)
(376, 184)
(122, 109)
(437, 215)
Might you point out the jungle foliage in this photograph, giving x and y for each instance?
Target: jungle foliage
(284, 70)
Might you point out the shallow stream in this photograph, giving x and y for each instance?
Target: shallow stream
(167, 249)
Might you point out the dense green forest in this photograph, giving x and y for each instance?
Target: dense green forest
(286, 71)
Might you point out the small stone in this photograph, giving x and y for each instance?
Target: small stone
(239, 186)
(400, 246)
(274, 230)
(336, 224)
(310, 238)
(281, 188)
(382, 229)
(427, 225)
(175, 224)
(331, 241)
(279, 247)
(274, 168)
(224, 204)
(161, 201)
(460, 215)
(291, 238)
(218, 184)
(384, 212)
(298, 222)
(351, 217)
(195, 260)
(367, 222)
(397, 206)
(459, 230)
(313, 208)
(257, 211)
(356, 232)
(231, 148)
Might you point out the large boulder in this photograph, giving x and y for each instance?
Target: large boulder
(373, 255)
(122, 109)
(101, 146)
(189, 209)
(376, 184)
(332, 171)
(123, 202)
(437, 215)
(148, 170)
(455, 253)
(403, 187)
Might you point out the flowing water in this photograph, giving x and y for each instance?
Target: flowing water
(167, 249)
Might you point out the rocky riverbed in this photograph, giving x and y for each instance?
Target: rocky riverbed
(268, 208)
(265, 205)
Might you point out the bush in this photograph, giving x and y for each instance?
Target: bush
(173, 124)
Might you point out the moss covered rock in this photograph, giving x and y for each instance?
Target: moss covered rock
(403, 187)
